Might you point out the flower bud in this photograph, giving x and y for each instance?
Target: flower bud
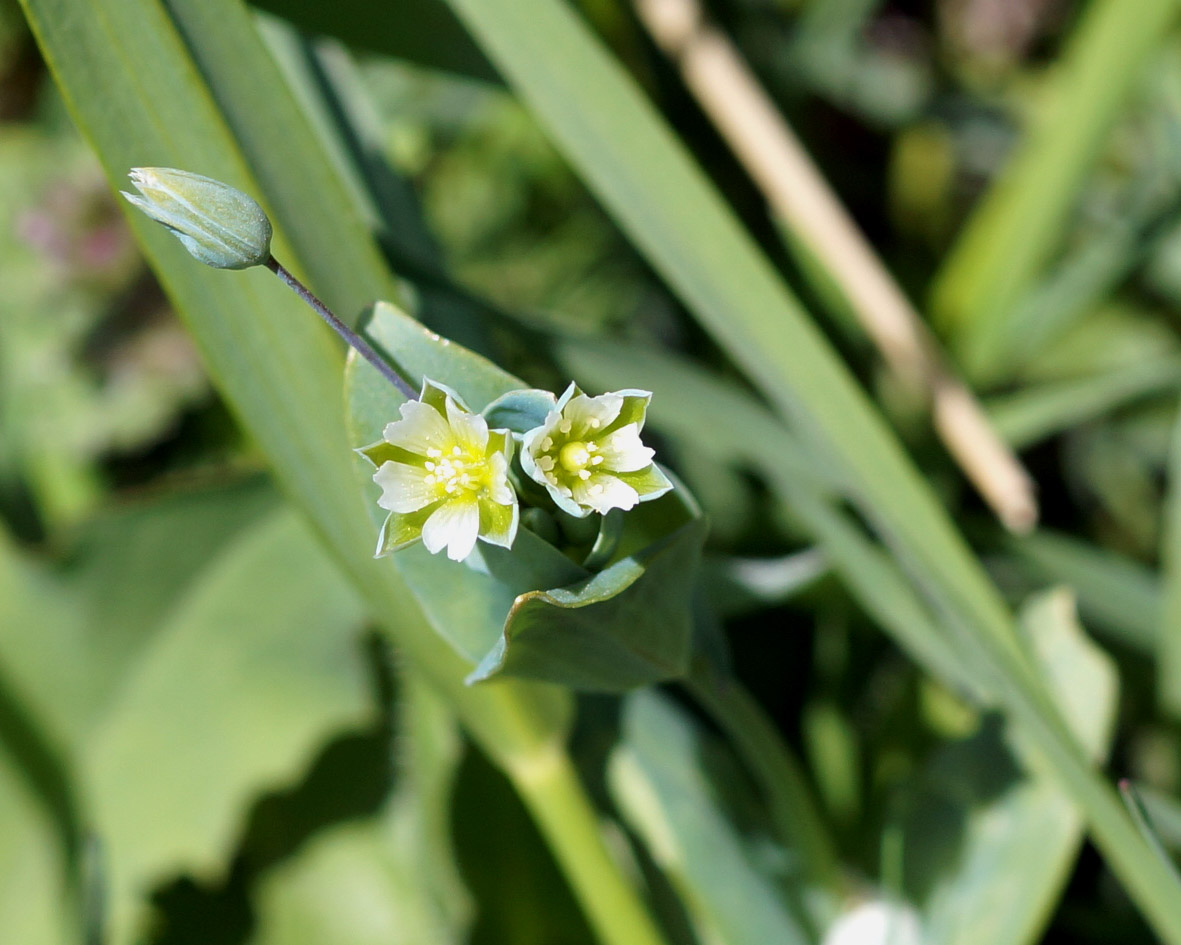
(220, 226)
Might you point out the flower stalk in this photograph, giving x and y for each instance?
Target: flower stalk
(351, 338)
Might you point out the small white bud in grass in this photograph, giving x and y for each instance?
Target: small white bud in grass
(876, 922)
(220, 226)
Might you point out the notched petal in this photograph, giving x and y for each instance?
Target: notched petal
(454, 525)
(623, 451)
(422, 428)
(405, 488)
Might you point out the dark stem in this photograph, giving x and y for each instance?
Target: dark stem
(355, 341)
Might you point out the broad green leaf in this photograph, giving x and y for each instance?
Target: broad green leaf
(252, 669)
(627, 626)
(66, 640)
(530, 611)
(348, 885)
(387, 879)
(988, 849)
(660, 779)
(35, 903)
(142, 644)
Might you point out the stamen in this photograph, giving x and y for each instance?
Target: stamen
(594, 423)
(595, 460)
(429, 465)
(434, 453)
(547, 443)
(584, 474)
(565, 426)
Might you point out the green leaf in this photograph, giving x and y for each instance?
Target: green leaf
(714, 416)
(628, 626)
(253, 668)
(389, 879)
(1020, 221)
(280, 370)
(300, 187)
(660, 778)
(67, 640)
(1039, 411)
(987, 849)
(1115, 593)
(530, 611)
(237, 642)
(520, 410)
(418, 353)
(35, 906)
(1169, 633)
(422, 31)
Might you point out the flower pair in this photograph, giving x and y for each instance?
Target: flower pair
(445, 475)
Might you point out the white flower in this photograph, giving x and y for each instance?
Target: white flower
(876, 922)
(444, 477)
(588, 453)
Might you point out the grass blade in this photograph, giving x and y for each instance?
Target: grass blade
(1169, 640)
(628, 156)
(1012, 234)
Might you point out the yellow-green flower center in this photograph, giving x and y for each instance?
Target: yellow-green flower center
(575, 456)
(573, 459)
(455, 472)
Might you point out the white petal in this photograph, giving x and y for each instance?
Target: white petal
(531, 446)
(603, 493)
(499, 489)
(622, 451)
(404, 487)
(454, 524)
(587, 414)
(469, 430)
(421, 428)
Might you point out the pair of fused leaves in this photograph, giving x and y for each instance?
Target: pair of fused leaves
(532, 611)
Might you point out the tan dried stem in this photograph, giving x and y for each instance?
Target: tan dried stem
(744, 114)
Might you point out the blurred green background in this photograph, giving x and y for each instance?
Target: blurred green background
(290, 784)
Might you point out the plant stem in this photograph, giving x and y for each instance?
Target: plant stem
(793, 810)
(549, 786)
(355, 341)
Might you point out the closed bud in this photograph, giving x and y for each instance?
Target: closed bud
(220, 226)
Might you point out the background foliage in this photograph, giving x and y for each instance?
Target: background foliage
(222, 721)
